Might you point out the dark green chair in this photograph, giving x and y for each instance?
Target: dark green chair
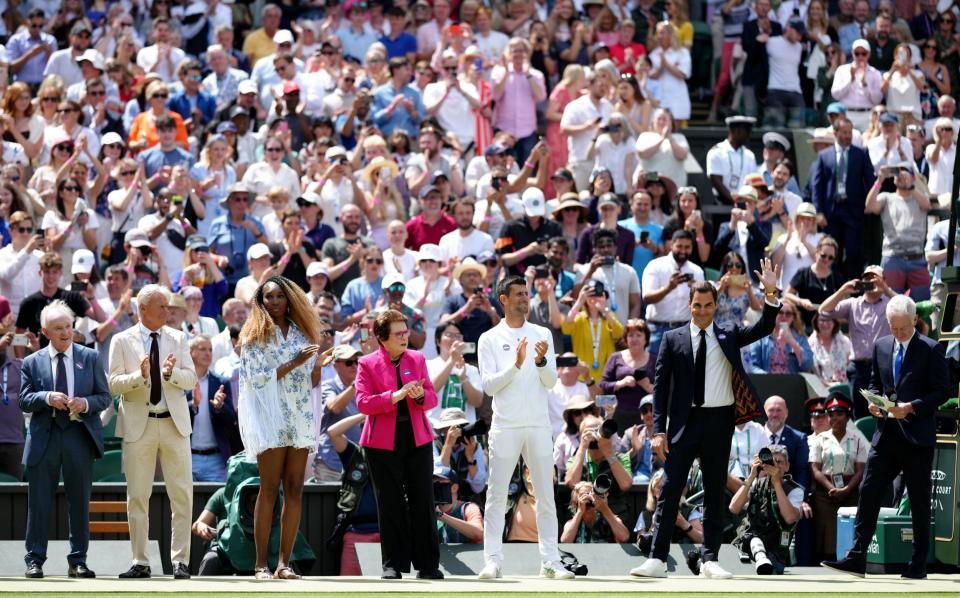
(867, 425)
(6, 478)
(711, 275)
(110, 465)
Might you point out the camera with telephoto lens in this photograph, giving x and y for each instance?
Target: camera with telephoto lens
(477, 428)
(602, 484)
(607, 429)
(766, 456)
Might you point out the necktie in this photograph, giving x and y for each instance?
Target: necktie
(700, 370)
(897, 364)
(60, 385)
(155, 379)
(842, 174)
(773, 439)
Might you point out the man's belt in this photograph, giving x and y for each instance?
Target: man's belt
(159, 414)
(209, 451)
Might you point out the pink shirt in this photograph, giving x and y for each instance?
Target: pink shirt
(853, 94)
(516, 106)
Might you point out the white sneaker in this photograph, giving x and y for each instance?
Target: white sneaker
(713, 570)
(490, 571)
(650, 568)
(555, 571)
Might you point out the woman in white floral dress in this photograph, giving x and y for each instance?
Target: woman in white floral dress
(279, 342)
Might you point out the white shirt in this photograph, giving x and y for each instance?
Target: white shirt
(334, 196)
(221, 345)
(408, 262)
(580, 112)
(454, 113)
(675, 306)
(879, 156)
(434, 366)
(453, 244)
(613, 156)
(621, 281)
(733, 165)
(676, 96)
(260, 178)
(172, 256)
(662, 160)
(896, 348)
(203, 436)
(519, 395)
(784, 59)
(19, 275)
(903, 95)
(147, 342)
(557, 397)
(747, 440)
(147, 58)
(718, 390)
(492, 46)
(941, 171)
(64, 63)
(314, 88)
(67, 363)
(796, 256)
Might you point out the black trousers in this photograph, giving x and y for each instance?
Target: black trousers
(707, 435)
(403, 483)
(893, 455)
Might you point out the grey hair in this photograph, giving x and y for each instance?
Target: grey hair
(901, 305)
(779, 449)
(56, 310)
(197, 340)
(151, 291)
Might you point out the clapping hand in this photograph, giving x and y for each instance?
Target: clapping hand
(145, 367)
(521, 353)
(219, 397)
(167, 368)
(541, 348)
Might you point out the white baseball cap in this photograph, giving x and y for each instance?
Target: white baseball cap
(257, 251)
(533, 202)
(83, 262)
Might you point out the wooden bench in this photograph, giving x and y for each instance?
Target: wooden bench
(109, 527)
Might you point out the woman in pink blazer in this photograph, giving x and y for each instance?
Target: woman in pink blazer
(395, 393)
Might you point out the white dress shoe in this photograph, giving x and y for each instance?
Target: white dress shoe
(555, 571)
(713, 570)
(490, 571)
(650, 568)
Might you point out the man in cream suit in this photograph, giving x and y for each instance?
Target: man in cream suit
(151, 368)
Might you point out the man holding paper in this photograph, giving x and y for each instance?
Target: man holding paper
(913, 368)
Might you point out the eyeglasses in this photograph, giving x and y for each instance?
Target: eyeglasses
(401, 334)
(73, 188)
(374, 260)
(456, 336)
(827, 257)
(450, 69)
(128, 173)
(96, 94)
(274, 149)
(239, 198)
(328, 52)
(50, 99)
(83, 34)
(66, 110)
(349, 362)
(930, 47)
(23, 229)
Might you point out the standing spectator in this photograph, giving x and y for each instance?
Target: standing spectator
(904, 216)
(812, 285)
(432, 223)
(396, 104)
(362, 293)
(649, 234)
(593, 327)
(582, 122)
(936, 76)
(795, 441)
(472, 310)
(832, 350)
(165, 136)
(797, 249)
(756, 33)
(564, 92)
(688, 216)
(842, 175)
(786, 351)
(458, 382)
(745, 233)
(163, 57)
(20, 260)
(859, 28)
(882, 56)
(224, 80)
(902, 85)
(450, 98)
(11, 416)
(671, 67)
(523, 243)
(735, 295)
(196, 107)
(65, 436)
(856, 85)
(467, 240)
(784, 95)
(629, 375)
(666, 284)
(259, 42)
(51, 273)
(924, 25)
(212, 416)
(356, 34)
(866, 321)
(621, 280)
(343, 253)
(941, 156)
(398, 42)
(234, 233)
(609, 207)
(429, 34)
(29, 49)
(518, 88)
(730, 161)
(64, 62)
(662, 149)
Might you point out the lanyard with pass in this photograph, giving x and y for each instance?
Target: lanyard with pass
(595, 338)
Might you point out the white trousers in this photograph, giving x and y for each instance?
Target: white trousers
(506, 446)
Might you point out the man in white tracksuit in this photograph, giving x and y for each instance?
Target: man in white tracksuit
(518, 383)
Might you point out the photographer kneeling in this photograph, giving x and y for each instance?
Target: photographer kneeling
(593, 522)
(597, 457)
(457, 522)
(772, 500)
(456, 447)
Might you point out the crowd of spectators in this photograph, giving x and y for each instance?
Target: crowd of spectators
(401, 154)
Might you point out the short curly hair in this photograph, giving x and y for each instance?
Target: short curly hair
(381, 326)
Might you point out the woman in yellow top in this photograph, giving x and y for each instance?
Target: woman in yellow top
(593, 327)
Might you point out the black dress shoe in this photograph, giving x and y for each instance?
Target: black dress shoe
(136, 572)
(390, 573)
(435, 574)
(849, 566)
(34, 571)
(180, 571)
(80, 570)
(913, 574)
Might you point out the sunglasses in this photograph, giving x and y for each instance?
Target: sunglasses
(861, 54)
(328, 52)
(646, 409)
(194, 78)
(274, 149)
(827, 257)
(930, 47)
(161, 96)
(66, 110)
(50, 99)
(64, 147)
(396, 288)
(73, 188)
(349, 79)
(96, 94)
(450, 69)
(114, 145)
(374, 260)
(349, 362)
(23, 229)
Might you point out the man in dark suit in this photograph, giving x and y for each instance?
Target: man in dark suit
(212, 416)
(64, 389)
(842, 176)
(796, 441)
(746, 212)
(702, 361)
(912, 367)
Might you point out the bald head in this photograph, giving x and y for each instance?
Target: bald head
(776, 410)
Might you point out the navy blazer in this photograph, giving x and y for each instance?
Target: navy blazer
(924, 383)
(756, 68)
(757, 241)
(823, 185)
(224, 421)
(205, 102)
(89, 382)
(673, 385)
(798, 452)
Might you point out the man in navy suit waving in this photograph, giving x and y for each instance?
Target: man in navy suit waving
(912, 367)
(701, 386)
(65, 389)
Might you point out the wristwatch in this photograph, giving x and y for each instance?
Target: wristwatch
(541, 362)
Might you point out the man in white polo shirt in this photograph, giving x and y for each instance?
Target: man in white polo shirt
(666, 288)
(581, 122)
(784, 97)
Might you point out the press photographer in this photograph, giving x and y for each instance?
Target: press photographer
(593, 522)
(772, 500)
(458, 522)
(459, 450)
(596, 457)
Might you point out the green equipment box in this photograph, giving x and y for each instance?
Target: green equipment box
(892, 544)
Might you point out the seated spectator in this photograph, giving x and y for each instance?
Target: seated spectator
(593, 327)
(194, 324)
(460, 453)
(212, 416)
(592, 522)
(629, 374)
(569, 385)
(641, 444)
(832, 350)
(432, 223)
(28, 318)
(144, 133)
(458, 522)
(811, 286)
(837, 462)
(456, 382)
(735, 294)
(772, 499)
(904, 217)
(337, 396)
(394, 292)
(596, 457)
(473, 310)
(361, 294)
(202, 270)
(786, 351)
